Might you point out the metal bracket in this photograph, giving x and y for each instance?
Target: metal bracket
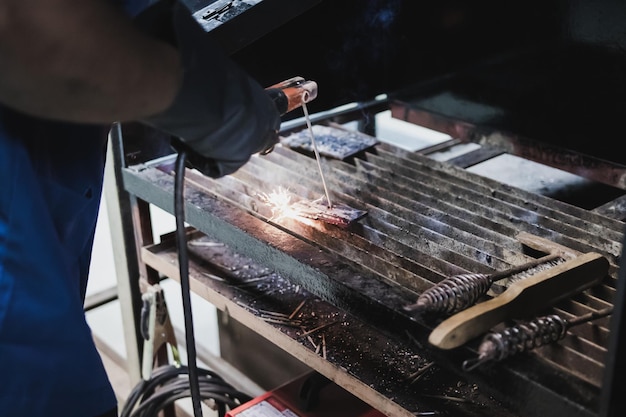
(156, 329)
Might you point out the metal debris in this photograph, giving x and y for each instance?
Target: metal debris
(318, 328)
(297, 309)
(417, 375)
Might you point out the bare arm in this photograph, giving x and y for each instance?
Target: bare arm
(82, 61)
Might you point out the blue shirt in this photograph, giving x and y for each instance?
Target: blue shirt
(50, 185)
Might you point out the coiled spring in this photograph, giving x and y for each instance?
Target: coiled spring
(526, 336)
(458, 292)
(455, 293)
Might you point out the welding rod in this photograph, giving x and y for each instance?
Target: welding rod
(329, 203)
(291, 94)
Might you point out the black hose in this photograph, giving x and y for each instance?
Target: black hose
(183, 266)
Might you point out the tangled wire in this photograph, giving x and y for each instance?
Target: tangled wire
(170, 383)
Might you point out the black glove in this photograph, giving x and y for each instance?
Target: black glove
(221, 116)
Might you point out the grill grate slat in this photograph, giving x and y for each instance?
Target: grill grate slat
(517, 196)
(512, 207)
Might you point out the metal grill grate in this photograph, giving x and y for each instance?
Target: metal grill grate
(427, 220)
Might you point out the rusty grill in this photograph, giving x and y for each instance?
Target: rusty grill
(426, 220)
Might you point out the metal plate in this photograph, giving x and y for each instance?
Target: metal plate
(331, 142)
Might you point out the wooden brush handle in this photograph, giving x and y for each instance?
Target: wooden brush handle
(522, 298)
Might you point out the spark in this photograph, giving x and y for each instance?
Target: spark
(284, 206)
(279, 202)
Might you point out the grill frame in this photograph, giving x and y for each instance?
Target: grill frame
(211, 215)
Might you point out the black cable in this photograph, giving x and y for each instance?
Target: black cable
(170, 383)
(183, 266)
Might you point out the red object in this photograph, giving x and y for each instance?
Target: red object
(285, 401)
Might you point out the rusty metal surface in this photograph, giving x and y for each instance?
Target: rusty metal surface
(426, 220)
(587, 166)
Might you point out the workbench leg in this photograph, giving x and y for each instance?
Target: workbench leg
(119, 209)
(614, 385)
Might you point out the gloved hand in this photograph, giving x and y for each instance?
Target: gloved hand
(221, 115)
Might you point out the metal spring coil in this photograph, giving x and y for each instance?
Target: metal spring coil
(455, 293)
(528, 335)
(524, 336)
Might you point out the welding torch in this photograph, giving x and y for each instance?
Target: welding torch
(292, 93)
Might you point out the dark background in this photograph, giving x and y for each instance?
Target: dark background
(554, 69)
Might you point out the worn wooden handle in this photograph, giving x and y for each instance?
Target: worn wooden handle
(522, 298)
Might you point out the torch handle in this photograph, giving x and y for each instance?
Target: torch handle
(292, 93)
